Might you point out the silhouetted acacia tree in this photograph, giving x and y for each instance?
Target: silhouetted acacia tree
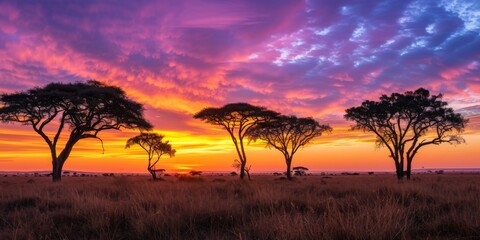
(238, 165)
(300, 171)
(237, 119)
(153, 144)
(287, 134)
(195, 173)
(83, 110)
(401, 123)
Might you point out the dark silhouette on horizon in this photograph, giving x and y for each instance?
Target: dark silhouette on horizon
(195, 173)
(405, 123)
(238, 166)
(300, 171)
(287, 134)
(153, 144)
(237, 119)
(82, 109)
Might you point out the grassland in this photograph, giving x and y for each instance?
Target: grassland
(313, 207)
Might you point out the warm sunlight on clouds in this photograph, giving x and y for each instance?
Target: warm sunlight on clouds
(307, 58)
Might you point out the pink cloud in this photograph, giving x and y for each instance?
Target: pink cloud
(305, 58)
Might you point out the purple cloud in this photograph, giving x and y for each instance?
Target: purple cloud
(311, 58)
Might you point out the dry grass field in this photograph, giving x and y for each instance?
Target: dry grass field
(313, 207)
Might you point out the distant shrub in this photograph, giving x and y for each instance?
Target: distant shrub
(349, 173)
(300, 171)
(195, 173)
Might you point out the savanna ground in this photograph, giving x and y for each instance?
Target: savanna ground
(313, 207)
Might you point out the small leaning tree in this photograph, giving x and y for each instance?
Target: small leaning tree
(407, 122)
(153, 144)
(237, 119)
(287, 134)
(79, 110)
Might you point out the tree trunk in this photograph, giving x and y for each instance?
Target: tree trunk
(57, 170)
(153, 173)
(242, 170)
(289, 173)
(243, 157)
(60, 160)
(400, 174)
(402, 168)
(409, 168)
(399, 170)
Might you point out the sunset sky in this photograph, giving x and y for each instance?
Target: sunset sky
(307, 58)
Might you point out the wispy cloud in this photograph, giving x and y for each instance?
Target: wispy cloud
(310, 58)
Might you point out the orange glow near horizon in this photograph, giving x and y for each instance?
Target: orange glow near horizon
(304, 58)
(342, 150)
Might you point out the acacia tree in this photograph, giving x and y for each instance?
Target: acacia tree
(405, 123)
(300, 171)
(287, 134)
(81, 110)
(238, 165)
(237, 119)
(153, 144)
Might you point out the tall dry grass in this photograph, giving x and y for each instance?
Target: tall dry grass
(313, 207)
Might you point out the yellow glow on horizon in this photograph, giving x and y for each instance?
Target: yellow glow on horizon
(22, 149)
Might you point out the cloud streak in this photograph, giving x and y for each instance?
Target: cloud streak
(309, 58)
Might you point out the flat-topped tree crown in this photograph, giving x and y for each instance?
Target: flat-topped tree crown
(95, 106)
(155, 147)
(83, 108)
(237, 119)
(288, 134)
(405, 123)
(235, 115)
(300, 168)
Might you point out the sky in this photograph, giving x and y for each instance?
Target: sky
(307, 58)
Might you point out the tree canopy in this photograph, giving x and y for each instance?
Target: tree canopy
(287, 134)
(155, 147)
(236, 119)
(84, 109)
(405, 123)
